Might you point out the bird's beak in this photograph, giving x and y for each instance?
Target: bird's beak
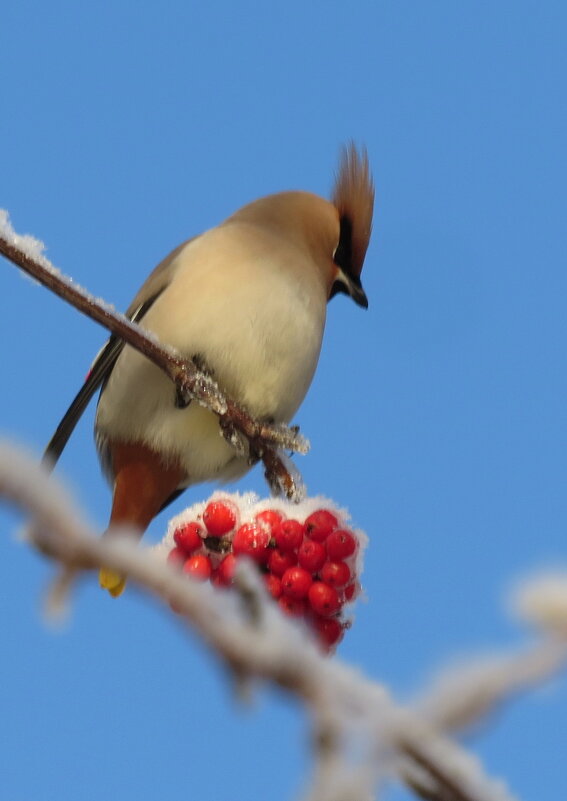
(356, 292)
(350, 285)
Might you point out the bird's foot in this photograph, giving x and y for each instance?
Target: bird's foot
(112, 581)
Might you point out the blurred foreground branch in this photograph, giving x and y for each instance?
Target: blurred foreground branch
(348, 712)
(191, 382)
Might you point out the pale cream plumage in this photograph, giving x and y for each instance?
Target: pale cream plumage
(249, 299)
(249, 302)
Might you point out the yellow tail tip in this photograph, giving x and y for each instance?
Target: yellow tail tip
(112, 581)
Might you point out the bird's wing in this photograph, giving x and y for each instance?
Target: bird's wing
(106, 358)
(97, 375)
(160, 277)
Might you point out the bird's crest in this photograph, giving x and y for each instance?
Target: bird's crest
(353, 196)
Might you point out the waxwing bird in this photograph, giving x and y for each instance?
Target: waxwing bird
(248, 298)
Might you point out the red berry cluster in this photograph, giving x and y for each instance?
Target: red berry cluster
(308, 566)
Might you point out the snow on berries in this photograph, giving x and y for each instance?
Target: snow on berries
(309, 557)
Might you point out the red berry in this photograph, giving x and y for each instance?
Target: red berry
(273, 585)
(188, 537)
(320, 524)
(311, 555)
(269, 519)
(176, 557)
(292, 606)
(225, 570)
(329, 630)
(252, 540)
(340, 544)
(296, 582)
(352, 590)
(279, 562)
(337, 574)
(198, 567)
(289, 535)
(324, 599)
(219, 517)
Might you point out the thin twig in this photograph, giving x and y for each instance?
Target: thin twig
(445, 786)
(190, 381)
(460, 697)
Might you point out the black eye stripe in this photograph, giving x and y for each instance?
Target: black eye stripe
(343, 253)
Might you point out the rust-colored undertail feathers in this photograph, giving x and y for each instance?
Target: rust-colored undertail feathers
(143, 483)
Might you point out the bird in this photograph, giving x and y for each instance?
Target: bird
(246, 298)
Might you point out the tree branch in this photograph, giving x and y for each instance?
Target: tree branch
(191, 382)
(345, 707)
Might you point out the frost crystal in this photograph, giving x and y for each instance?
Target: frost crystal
(34, 249)
(300, 490)
(27, 244)
(542, 600)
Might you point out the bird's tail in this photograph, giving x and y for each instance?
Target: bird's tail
(143, 482)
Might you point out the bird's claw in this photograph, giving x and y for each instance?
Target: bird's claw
(112, 581)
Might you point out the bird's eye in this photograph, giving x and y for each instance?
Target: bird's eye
(343, 252)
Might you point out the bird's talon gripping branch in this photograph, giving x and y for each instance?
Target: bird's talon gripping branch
(233, 436)
(193, 381)
(257, 450)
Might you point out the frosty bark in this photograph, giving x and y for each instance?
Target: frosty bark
(191, 382)
(342, 703)
(267, 646)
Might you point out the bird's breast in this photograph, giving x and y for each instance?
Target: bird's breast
(252, 311)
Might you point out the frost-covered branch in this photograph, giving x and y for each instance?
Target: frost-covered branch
(361, 736)
(462, 696)
(190, 381)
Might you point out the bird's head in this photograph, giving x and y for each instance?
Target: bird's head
(353, 197)
(335, 233)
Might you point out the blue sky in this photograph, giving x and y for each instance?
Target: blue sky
(437, 416)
